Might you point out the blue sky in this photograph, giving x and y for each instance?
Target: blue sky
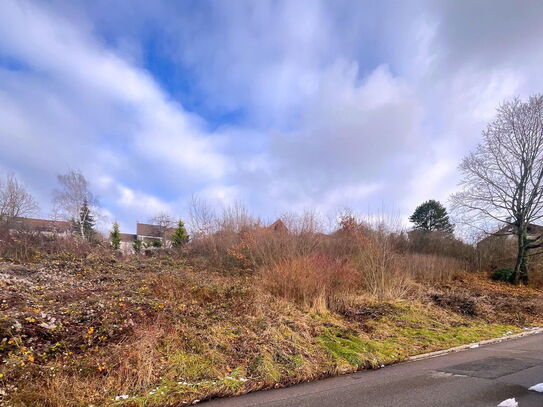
(283, 105)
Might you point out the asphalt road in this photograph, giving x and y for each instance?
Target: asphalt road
(479, 377)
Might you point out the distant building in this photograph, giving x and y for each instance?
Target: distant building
(499, 249)
(147, 233)
(509, 233)
(45, 226)
(278, 226)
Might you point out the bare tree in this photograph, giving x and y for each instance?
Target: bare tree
(202, 217)
(164, 221)
(73, 200)
(503, 178)
(15, 201)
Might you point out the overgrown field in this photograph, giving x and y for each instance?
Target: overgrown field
(168, 330)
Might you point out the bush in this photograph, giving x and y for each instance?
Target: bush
(316, 282)
(505, 275)
(429, 268)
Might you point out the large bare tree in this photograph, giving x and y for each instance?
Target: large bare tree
(73, 199)
(503, 178)
(15, 201)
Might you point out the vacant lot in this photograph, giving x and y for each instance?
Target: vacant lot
(166, 330)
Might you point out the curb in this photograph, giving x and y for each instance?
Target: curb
(532, 331)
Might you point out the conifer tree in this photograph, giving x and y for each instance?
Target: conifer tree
(180, 236)
(115, 237)
(431, 216)
(84, 224)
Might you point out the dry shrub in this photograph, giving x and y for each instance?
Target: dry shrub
(316, 282)
(25, 246)
(18, 247)
(380, 269)
(431, 268)
(237, 240)
(440, 244)
(267, 247)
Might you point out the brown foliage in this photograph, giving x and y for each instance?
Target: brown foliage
(316, 282)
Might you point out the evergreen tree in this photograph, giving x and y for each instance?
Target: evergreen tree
(180, 236)
(431, 216)
(84, 225)
(115, 237)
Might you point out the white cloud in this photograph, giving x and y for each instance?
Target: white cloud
(341, 104)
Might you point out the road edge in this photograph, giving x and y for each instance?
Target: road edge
(527, 332)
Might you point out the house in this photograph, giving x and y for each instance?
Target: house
(147, 234)
(44, 226)
(278, 226)
(508, 232)
(499, 249)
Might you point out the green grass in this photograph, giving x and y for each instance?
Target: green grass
(412, 330)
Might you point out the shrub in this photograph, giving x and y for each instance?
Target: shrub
(316, 282)
(380, 265)
(506, 275)
(136, 245)
(429, 268)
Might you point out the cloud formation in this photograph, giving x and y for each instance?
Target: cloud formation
(276, 103)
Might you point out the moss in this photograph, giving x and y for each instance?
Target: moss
(193, 366)
(410, 331)
(344, 346)
(266, 368)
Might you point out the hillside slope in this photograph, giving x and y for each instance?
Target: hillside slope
(161, 331)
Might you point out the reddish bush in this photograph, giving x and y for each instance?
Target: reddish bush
(316, 282)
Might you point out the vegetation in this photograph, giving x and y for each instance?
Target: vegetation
(505, 275)
(241, 308)
(180, 237)
(15, 201)
(431, 216)
(136, 246)
(115, 237)
(83, 225)
(503, 178)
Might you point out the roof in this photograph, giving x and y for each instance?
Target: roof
(532, 229)
(278, 226)
(42, 225)
(145, 229)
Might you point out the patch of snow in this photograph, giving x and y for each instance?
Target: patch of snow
(508, 403)
(474, 346)
(537, 387)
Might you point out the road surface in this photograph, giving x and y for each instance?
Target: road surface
(481, 377)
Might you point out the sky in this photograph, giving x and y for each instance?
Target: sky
(282, 105)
